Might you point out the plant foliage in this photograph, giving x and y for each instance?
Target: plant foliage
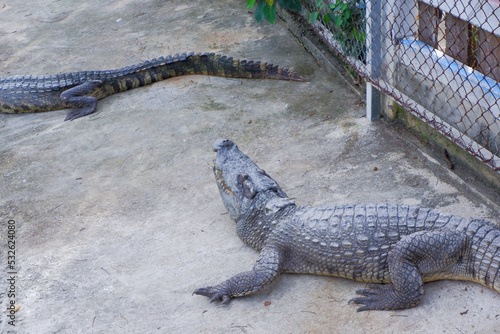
(266, 9)
(348, 16)
(345, 18)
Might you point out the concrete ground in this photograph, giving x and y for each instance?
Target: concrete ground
(118, 218)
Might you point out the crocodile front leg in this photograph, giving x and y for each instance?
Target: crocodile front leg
(424, 253)
(79, 99)
(263, 273)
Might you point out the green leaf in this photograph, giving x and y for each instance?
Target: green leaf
(270, 13)
(319, 3)
(347, 14)
(337, 19)
(290, 4)
(270, 2)
(259, 11)
(340, 6)
(250, 4)
(313, 17)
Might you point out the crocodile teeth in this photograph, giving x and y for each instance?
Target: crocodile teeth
(220, 180)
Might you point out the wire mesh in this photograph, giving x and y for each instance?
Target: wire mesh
(440, 59)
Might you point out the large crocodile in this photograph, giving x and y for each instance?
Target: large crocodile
(81, 90)
(399, 245)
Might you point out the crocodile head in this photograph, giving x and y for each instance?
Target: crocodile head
(242, 184)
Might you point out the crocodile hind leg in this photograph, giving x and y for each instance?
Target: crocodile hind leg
(418, 255)
(79, 99)
(263, 273)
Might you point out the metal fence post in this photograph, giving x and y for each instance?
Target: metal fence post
(373, 103)
(373, 56)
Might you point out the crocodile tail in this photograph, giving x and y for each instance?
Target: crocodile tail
(223, 66)
(163, 68)
(234, 68)
(486, 254)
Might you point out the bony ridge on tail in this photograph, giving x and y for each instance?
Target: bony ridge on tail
(398, 245)
(81, 90)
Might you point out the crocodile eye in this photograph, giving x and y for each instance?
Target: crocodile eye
(242, 178)
(246, 186)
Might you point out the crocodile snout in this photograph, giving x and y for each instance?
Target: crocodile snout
(221, 143)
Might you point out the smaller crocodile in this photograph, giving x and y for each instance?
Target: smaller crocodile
(399, 245)
(81, 90)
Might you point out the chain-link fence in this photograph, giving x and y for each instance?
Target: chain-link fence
(440, 59)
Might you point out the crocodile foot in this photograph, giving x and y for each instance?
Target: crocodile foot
(80, 99)
(215, 293)
(80, 112)
(384, 297)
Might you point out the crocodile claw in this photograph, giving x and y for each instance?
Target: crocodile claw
(213, 293)
(77, 113)
(386, 297)
(374, 298)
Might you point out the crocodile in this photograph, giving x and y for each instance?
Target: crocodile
(395, 248)
(81, 90)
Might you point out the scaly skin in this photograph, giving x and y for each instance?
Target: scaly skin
(81, 90)
(399, 245)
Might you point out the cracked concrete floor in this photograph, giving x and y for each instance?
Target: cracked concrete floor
(118, 218)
